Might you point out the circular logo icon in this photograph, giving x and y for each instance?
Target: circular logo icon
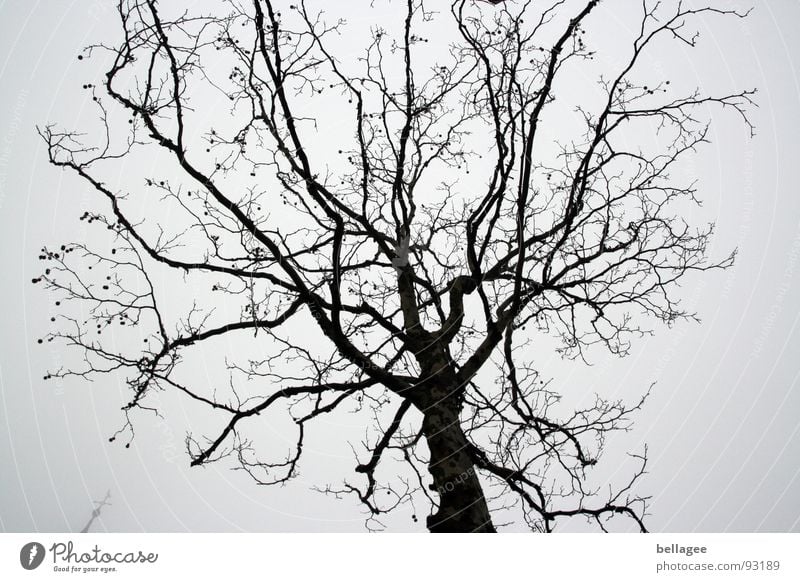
(31, 555)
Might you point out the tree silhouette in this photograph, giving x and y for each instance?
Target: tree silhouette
(400, 268)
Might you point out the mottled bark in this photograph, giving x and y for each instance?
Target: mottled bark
(462, 505)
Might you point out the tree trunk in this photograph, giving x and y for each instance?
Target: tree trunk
(462, 506)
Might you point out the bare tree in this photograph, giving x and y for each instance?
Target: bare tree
(402, 267)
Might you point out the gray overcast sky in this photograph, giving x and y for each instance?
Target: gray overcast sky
(722, 425)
